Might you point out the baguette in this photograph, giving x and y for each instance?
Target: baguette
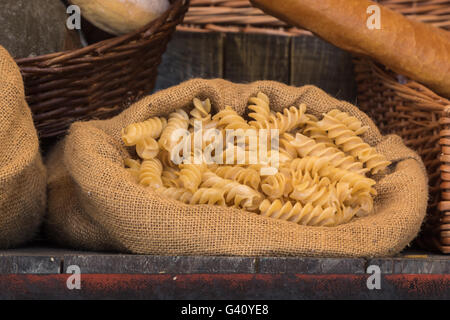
(414, 49)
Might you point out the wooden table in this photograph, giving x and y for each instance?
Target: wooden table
(242, 58)
(40, 272)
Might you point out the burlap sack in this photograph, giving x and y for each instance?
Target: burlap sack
(95, 204)
(22, 174)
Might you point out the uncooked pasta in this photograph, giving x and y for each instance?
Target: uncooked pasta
(290, 165)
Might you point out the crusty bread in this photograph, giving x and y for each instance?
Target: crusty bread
(411, 48)
(121, 16)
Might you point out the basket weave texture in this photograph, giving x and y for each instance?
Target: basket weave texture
(414, 112)
(97, 81)
(396, 104)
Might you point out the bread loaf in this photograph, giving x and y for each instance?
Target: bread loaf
(121, 16)
(411, 48)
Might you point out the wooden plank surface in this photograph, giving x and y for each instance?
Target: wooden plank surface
(31, 273)
(252, 57)
(242, 58)
(191, 55)
(47, 260)
(316, 62)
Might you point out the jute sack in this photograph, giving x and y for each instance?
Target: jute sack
(95, 204)
(22, 173)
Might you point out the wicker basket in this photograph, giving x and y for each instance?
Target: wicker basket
(414, 112)
(396, 104)
(97, 81)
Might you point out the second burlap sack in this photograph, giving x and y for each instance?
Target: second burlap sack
(95, 204)
(22, 173)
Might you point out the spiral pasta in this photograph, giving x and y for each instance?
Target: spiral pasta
(313, 174)
(177, 120)
(166, 159)
(150, 173)
(201, 111)
(135, 132)
(228, 118)
(176, 193)
(351, 122)
(313, 131)
(212, 196)
(236, 194)
(147, 148)
(349, 142)
(261, 111)
(290, 119)
(314, 167)
(306, 146)
(170, 179)
(247, 176)
(319, 192)
(191, 175)
(307, 215)
(274, 185)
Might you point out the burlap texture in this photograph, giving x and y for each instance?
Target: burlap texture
(22, 173)
(95, 204)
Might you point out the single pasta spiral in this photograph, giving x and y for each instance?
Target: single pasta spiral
(273, 186)
(247, 176)
(150, 173)
(191, 175)
(212, 196)
(286, 146)
(261, 111)
(177, 120)
(351, 122)
(201, 111)
(310, 166)
(135, 132)
(313, 131)
(306, 146)
(347, 139)
(147, 148)
(169, 178)
(236, 194)
(228, 118)
(176, 193)
(307, 215)
(318, 191)
(290, 119)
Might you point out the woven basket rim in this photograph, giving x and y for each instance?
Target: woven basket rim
(410, 89)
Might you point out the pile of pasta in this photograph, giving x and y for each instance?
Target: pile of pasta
(322, 177)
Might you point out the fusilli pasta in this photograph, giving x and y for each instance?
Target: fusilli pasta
(150, 173)
(135, 132)
(319, 178)
(350, 142)
(177, 120)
